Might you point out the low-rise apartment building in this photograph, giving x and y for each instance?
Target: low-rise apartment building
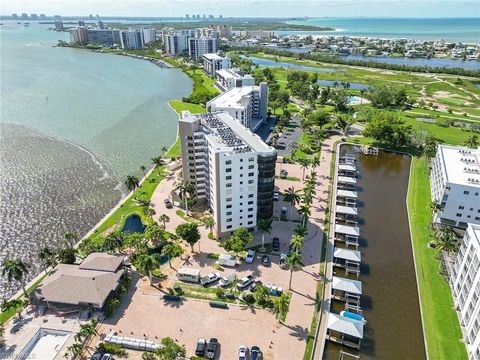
(455, 184)
(214, 62)
(247, 104)
(465, 283)
(231, 168)
(230, 78)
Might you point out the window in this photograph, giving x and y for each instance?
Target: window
(241, 182)
(228, 185)
(190, 151)
(250, 181)
(251, 174)
(228, 178)
(251, 166)
(250, 216)
(229, 213)
(229, 206)
(229, 220)
(466, 192)
(241, 160)
(229, 226)
(189, 138)
(251, 159)
(228, 170)
(459, 215)
(241, 196)
(228, 162)
(250, 203)
(250, 196)
(229, 199)
(461, 207)
(250, 209)
(250, 222)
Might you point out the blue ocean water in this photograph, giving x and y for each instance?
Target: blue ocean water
(450, 29)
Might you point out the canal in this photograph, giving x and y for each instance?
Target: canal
(390, 296)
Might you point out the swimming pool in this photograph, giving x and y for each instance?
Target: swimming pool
(353, 99)
(45, 345)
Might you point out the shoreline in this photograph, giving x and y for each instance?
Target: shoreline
(37, 279)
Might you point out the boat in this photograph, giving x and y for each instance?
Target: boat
(353, 316)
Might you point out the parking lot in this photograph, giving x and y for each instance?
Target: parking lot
(145, 313)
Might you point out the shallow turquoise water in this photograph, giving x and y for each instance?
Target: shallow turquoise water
(73, 123)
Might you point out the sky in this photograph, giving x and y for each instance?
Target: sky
(247, 8)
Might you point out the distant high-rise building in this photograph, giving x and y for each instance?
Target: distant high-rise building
(204, 16)
(14, 16)
(149, 36)
(58, 23)
(198, 16)
(90, 16)
(81, 23)
(104, 37)
(210, 17)
(220, 16)
(24, 16)
(100, 24)
(79, 35)
(187, 17)
(42, 17)
(34, 16)
(132, 39)
(176, 42)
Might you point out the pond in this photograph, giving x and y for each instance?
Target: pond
(134, 224)
(390, 300)
(273, 63)
(337, 83)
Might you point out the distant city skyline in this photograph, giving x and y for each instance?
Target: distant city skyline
(248, 8)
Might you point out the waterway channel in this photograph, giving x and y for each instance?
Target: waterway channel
(390, 296)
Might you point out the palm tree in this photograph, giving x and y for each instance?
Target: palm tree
(86, 331)
(293, 197)
(304, 164)
(143, 169)
(472, 141)
(261, 293)
(16, 269)
(71, 238)
(344, 122)
(113, 242)
(297, 242)
(16, 304)
(142, 202)
(280, 306)
(150, 212)
(208, 222)
(293, 263)
(265, 226)
(185, 190)
(234, 288)
(148, 263)
(157, 161)
(435, 206)
(301, 231)
(305, 212)
(446, 240)
(132, 182)
(315, 162)
(164, 150)
(74, 350)
(171, 250)
(47, 258)
(164, 218)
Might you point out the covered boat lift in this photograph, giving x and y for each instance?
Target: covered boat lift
(347, 259)
(347, 234)
(347, 183)
(347, 170)
(346, 215)
(347, 197)
(346, 290)
(345, 331)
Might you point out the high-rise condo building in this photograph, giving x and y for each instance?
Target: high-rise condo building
(214, 62)
(132, 39)
(230, 78)
(465, 283)
(103, 37)
(231, 168)
(455, 184)
(202, 45)
(149, 36)
(247, 104)
(176, 42)
(79, 35)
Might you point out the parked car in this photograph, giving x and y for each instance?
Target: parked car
(96, 356)
(276, 196)
(276, 244)
(266, 260)
(274, 290)
(253, 285)
(212, 348)
(107, 357)
(210, 278)
(283, 173)
(227, 280)
(242, 352)
(250, 256)
(246, 281)
(255, 353)
(168, 203)
(201, 346)
(282, 260)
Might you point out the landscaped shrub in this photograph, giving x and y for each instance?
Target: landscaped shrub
(113, 349)
(248, 298)
(220, 293)
(112, 305)
(211, 236)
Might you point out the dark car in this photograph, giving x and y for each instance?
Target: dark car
(168, 203)
(255, 353)
(212, 348)
(97, 356)
(201, 346)
(276, 244)
(266, 260)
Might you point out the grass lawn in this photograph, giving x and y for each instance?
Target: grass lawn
(180, 106)
(440, 321)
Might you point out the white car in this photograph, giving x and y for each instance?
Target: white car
(210, 278)
(250, 256)
(242, 352)
(276, 196)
